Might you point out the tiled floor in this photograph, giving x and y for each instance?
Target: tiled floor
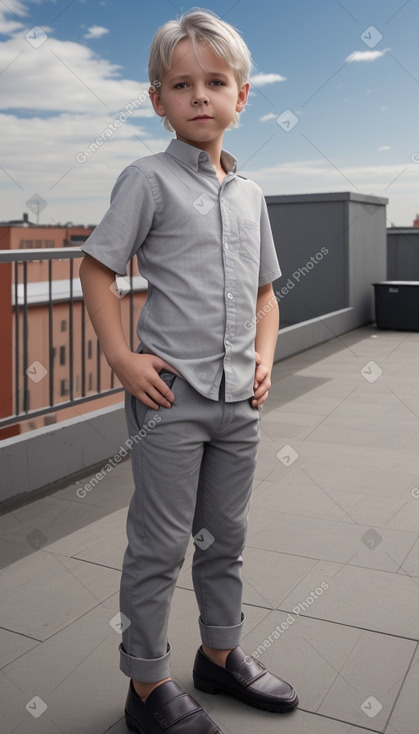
(331, 565)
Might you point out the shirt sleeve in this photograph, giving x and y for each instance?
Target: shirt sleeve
(269, 269)
(126, 224)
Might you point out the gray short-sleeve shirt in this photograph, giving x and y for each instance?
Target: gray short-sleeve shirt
(204, 249)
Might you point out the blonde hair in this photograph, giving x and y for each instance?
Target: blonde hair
(199, 26)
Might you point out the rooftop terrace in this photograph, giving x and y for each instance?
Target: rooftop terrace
(332, 562)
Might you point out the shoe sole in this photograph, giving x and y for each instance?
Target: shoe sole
(207, 686)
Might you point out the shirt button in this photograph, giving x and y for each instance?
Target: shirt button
(228, 369)
(230, 296)
(226, 245)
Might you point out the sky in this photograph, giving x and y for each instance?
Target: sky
(334, 102)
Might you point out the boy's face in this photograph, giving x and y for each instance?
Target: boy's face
(199, 94)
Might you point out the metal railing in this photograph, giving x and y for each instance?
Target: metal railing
(25, 295)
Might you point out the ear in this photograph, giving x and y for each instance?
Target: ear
(242, 98)
(156, 101)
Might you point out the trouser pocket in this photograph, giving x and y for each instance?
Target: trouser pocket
(167, 377)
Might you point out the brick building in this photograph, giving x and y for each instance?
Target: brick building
(45, 326)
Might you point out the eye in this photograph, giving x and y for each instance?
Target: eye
(180, 85)
(218, 83)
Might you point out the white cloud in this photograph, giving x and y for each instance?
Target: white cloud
(397, 182)
(366, 55)
(14, 8)
(383, 108)
(67, 96)
(384, 147)
(41, 157)
(96, 31)
(61, 76)
(260, 80)
(269, 116)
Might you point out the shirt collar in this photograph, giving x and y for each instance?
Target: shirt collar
(192, 157)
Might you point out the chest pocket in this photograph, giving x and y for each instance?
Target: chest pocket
(249, 239)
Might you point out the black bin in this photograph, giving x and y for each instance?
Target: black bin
(397, 304)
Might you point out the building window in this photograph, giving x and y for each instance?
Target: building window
(89, 349)
(90, 382)
(62, 356)
(26, 244)
(64, 325)
(65, 387)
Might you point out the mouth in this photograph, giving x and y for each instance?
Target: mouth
(202, 117)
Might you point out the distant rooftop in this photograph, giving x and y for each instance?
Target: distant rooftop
(26, 222)
(38, 293)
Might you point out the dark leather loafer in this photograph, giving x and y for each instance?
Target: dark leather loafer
(169, 710)
(245, 678)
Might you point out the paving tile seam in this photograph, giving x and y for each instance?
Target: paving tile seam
(30, 549)
(65, 626)
(400, 569)
(354, 727)
(402, 402)
(339, 520)
(297, 583)
(82, 501)
(399, 343)
(339, 673)
(324, 442)
(16, 544)
(329, 621)
(341, 721)
(332, 411)
(400, 689)
(119, 721)
(57, 556)
(91, 652)
(21, 634)
(321, 559)
(320, 619)
(62, 500)
(94, 563)
(348, 463)
(27, 637)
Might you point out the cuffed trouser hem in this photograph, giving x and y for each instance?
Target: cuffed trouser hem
(221, 638)
(143, 669)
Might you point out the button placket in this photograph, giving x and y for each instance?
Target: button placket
(230, 291)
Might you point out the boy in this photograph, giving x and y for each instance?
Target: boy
(203, 241)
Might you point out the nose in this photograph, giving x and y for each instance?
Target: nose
(200, 97)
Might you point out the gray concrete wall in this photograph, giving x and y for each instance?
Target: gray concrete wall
(39, 458)
(403, 253)
(331, 247)
(302, 226)
(367, 253)
(294, 339)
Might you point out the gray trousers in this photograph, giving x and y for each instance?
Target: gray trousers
(193, 467)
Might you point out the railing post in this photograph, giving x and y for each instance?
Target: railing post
(6, 349)
(23, 338)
